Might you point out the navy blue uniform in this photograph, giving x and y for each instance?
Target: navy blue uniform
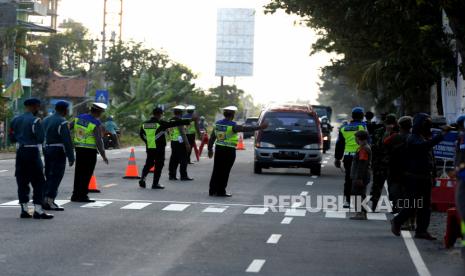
(26, 130)
(58, 147)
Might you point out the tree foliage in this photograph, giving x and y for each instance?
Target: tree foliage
(392, 48)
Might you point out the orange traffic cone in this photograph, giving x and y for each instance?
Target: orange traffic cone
(93, 187)
(132, 172)
(240, 145)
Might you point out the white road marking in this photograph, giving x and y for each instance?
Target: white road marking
(309, 183)
(323, 166)
(176, 207)
(110, 185)
(314, 176)
(325, 162)
(96, 204)
(2, 171)
(415, 254)
(255, 211)
(304, 193)
(136, 206)
(215, 209)
(11, 203)
(62, 201)
(287, 220)
(296, 204)
(335, 214)
(376, 216)
(274, 238)
(295, 212)
(255, 266)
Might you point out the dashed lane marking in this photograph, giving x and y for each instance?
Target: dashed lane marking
(274, 239)
(420, 265)
(325, 162)
(110, 185)
(96, 204)
(287, 220)
(309, 183)
(323, 166)
(255, 266)
(2, 171)
(10, 203)
(335, 214)
(176, 207)
(215, 209)
(293, 212)
(136, 206)
(304, 193)
(255, 211)
(314, 176)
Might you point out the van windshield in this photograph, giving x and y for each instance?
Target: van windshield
(290, 121)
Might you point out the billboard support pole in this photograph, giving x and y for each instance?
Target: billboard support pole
(222, 81)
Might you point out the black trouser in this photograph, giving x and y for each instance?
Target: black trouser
(55, 165)
(347, 180)
(223, 163)
(178, 157)
(191, 140)
(29, 169)
(155, 157)
(86, 159)
(417, 199)
(379, 178)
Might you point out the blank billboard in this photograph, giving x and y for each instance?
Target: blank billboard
(235, 42)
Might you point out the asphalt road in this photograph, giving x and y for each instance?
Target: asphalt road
(183, 231)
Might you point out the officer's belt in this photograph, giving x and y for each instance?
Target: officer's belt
(349, 153)
(55, 145)
(27, 146)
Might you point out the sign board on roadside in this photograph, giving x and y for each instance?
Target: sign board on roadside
(446, 149)
(102, 96)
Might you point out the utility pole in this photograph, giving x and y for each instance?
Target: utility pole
(112, 23)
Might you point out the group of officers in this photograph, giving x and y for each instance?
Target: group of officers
(80, 142)
(402, 155)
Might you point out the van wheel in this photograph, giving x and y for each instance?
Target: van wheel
(315, 170)
(257, 169)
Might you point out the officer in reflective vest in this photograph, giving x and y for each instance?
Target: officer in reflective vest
(460, 170)
(88, 142)
(225, 139)
(179, 147)
(27, 132)
(58, 146)
(346, 147)
(153, 133)
(192, 129)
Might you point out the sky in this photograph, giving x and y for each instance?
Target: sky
(186, 30)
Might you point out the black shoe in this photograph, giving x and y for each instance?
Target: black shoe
(158, 186)
(224, 195)
(25, 215)
(46, 206)
(211, 193)
(173, 178)
(186, 179)
(42, 216)
(142, 183)
(395, 229)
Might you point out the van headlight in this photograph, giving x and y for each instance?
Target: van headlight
(266, 145)
(312, 146)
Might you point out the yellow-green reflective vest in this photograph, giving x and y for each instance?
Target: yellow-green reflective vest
(225, 136)
(348, 132)
(84, 134)
(150, 130)
(175, 134)
(191, 128)
(463, 233)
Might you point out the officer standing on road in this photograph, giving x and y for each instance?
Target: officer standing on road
(179, 147)
(27, 132)
(87, 135)
(460, 170)
(225, 138)
(346, 147)
(192, 129)
(58, 146)
(152, 132)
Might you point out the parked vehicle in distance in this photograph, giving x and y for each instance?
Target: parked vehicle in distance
(251, 121)
(323, 110)
(292, 140)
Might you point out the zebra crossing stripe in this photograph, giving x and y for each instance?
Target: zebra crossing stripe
(255, 211)
(215, 209)
(97, 204)
(176, 207)
(295, 212)
(335, 214)
(376, 216)
(11, 203)
(136, 206)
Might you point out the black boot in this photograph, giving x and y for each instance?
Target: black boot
(142, 183)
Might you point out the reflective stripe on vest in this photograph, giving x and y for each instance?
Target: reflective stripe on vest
(150, 130)
(225, 136)
(348, 132)
(84, 134)
(463, 233)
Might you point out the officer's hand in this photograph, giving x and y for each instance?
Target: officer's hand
(337, 163)
(71, 163)
(446, 129)
(210, 154)
(105, 159)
